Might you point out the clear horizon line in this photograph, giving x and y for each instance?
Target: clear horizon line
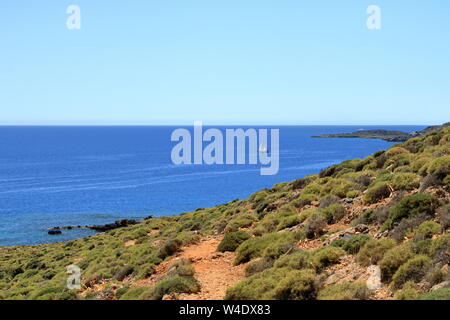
(209, 124)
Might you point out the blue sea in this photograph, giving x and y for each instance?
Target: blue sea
(57, 176)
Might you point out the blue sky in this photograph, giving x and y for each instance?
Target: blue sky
(224, 62)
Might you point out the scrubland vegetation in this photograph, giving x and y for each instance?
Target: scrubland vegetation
(390, 209)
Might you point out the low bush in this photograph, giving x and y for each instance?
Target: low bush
(54, 293)
(255, 247)
(324, 257)
(413, 270)
(352, 244)
(297, 260)
(440, 167)
(411, 206)
(353, 194)
(426, 230)
(280, 283)
(169, 248)
(232, 240)
(123, 273)
(171, 285)
(241, 221)
(328, 200)
(393, 259)
(405, 181)
(345, 291)
(439, 294)
(333, 213)
(437, 275)
(315, 225)
(367, 217)
(182, 268)
(408, 292)
(395, 151)
(288, 222)
(304, 199)
(305, 214)
(444, 217)
(134, 293)
(373, 251)
(376, 193)
(429, 181)
(439, 249)
(257, 266)
(407, 225)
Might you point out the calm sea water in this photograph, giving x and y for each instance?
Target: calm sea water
(55, 176)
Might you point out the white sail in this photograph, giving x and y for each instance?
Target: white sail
(262, 148)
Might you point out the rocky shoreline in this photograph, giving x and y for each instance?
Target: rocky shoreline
(99, 228)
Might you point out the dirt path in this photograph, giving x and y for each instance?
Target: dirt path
(214, 270)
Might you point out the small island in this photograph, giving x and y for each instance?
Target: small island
(387, 135)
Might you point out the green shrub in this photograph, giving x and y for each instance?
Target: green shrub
(373, 251)
(345, 291)
(405, 181)
(297, 285)
(280, 283)
(333, 212)
(337, 187)
(376, 193)
(275, 250)
(258, 265)
(408, 292)
(304, 199)
(395, 151)
(54, 293)
(426, 230)
(439, 294)
(324, 257)
(288, 222)
(182, 268)
(440, 249)
(353, 194)
(315, 224)
(134, 293)
(296, 260)
(413, 270)
(305, 214)
(367, 217)
(440, 167)
(352, 244)
(411, 206)
(393, 259)
(254, 247)
(328, 200)
(242, 221)
(169, 248)
(175, 284)
(232, 240)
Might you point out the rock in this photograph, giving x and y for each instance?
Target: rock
(348, 200)
(362, 228)
(445, 284)
(110, 226)
(54, 232)
(381, 234)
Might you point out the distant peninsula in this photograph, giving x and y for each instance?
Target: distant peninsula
(387, 135)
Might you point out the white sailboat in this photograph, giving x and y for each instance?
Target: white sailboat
(262, 148)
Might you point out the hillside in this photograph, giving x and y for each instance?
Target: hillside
(311, 238)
